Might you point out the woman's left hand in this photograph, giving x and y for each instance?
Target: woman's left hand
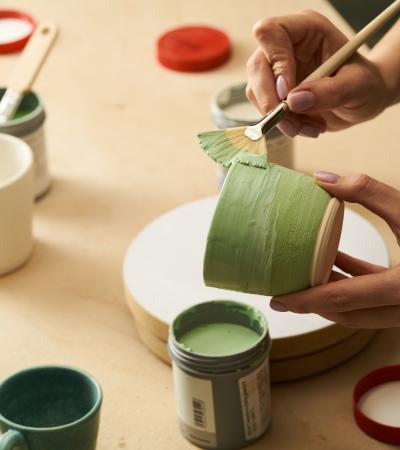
(371, 298)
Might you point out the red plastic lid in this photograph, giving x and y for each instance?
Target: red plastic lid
(377, 430)
(16, 28)
(193, 49)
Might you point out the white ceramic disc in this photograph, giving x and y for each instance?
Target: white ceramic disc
(164, 264)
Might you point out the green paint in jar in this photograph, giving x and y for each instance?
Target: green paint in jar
(219, 339)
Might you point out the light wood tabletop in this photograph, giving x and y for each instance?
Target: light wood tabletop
(122, 150)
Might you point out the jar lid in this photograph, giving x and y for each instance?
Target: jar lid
(375, 404)
(193, 48)
(16, 27)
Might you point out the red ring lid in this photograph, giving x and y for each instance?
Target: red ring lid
(381, 432)
(18, 43)
(193, 48)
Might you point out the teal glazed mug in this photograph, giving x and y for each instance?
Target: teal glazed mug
(49, 408)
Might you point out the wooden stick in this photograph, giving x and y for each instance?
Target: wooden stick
(32, 59)
(344, 53)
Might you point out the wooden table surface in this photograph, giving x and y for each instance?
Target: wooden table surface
(122, 150)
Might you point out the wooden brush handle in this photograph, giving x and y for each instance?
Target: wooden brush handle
(344, 53)
(32, 58)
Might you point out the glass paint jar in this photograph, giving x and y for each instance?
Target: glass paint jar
(28, 125)
(222, 394)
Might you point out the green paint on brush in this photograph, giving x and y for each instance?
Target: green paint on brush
(224, 152)
(264, 229)
(219, 339)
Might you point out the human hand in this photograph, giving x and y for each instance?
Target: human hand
(293, 46)
(371, 299)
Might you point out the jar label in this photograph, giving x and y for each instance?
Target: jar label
(195, 407)
(255, 398)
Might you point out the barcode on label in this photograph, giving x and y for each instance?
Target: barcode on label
(199, 413)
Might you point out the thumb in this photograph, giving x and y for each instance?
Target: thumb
(376, 196)
(325, 94)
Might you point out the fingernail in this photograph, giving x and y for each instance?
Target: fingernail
(281, 87)
(277, 306)
(309, 131)
(287, 128)
(301, 101)
(326, 177)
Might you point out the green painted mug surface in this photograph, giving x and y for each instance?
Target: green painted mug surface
(49, 408)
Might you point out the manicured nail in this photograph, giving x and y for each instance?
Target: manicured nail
(301, 101)
(281, 87)
(309, 131)
(277, 306)
(326, 177)
(287, 128)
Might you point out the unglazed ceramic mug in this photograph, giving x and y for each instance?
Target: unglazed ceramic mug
(16, 202)
(49, 408)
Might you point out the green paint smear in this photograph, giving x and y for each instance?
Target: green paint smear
(219, 339)
(263, 232)
(217, 147)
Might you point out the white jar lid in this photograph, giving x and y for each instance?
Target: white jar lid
(376, 404)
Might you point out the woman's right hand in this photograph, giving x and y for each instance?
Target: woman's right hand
(293, 46)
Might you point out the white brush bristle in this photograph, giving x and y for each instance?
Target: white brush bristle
(240, 141)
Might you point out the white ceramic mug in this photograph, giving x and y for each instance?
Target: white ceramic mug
(16, 202)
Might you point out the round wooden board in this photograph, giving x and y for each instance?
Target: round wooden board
(286, 369)
(163, 276)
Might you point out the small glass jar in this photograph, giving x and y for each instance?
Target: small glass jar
(223, 397)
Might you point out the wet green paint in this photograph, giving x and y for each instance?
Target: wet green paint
(20, 113)
(264, 229)
(219, 339)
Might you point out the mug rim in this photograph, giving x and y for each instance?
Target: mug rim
(23, 148)
(88, 415)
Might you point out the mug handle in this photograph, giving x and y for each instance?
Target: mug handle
(12, 439)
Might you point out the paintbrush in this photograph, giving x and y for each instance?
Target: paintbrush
(225, 145)
(27, 68)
